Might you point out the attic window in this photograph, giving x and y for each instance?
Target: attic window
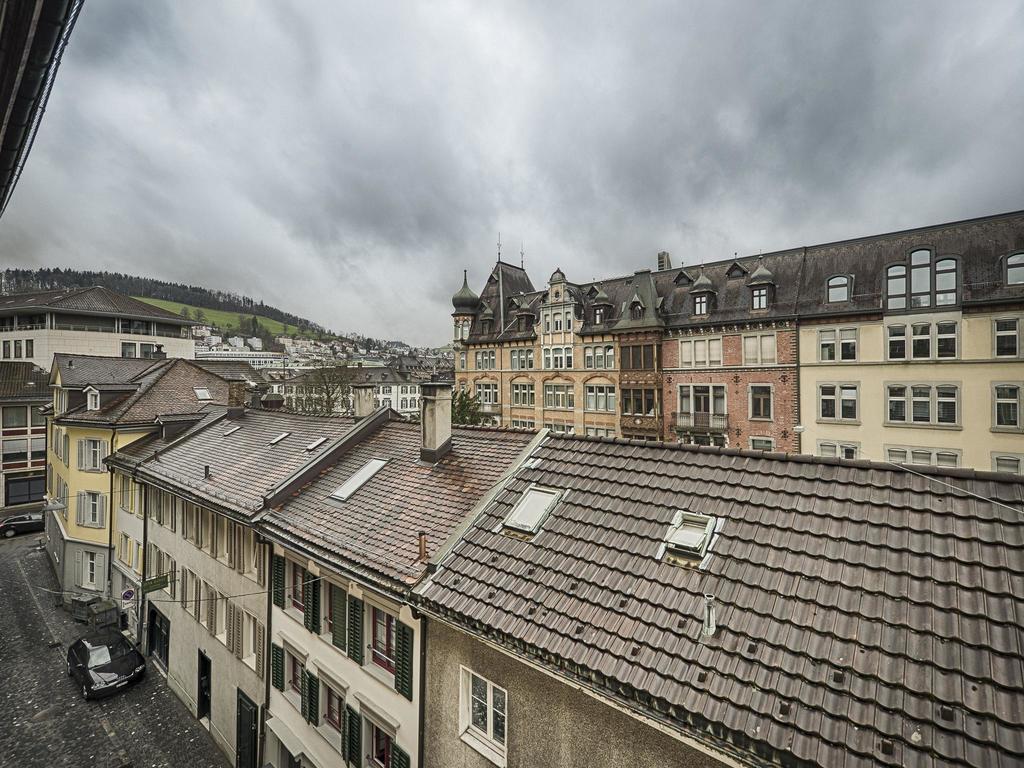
(689, 535)
(279, 438)
(202, 393)
(231, 431)
(316, 444)
(354, 483)
(94, 401)
(530, 510)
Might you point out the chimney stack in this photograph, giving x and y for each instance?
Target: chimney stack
(435, 420)
(236, 394)
(273, 401)
(664, 261)
(362, 394)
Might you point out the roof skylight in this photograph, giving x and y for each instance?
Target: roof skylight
(354, 483)
(316, 444)
(690, 535)
(202, 393)
(531, 509)
(279, 438)
(232, 431)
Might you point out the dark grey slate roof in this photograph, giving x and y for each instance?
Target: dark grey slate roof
(232, 370)
(78, 371)
(23, 381)
(96, 300)
(866, 615)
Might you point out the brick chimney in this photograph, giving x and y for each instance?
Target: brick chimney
(435, 420)
(362, 394)
(236, 394)
(664, 261)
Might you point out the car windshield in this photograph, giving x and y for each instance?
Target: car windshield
(102, 653)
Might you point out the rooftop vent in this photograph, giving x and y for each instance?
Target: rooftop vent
(689, 535)
(710, 625)
(279, 438)
(316, 444)
(354, 483)
(231, 431)
(531, 509)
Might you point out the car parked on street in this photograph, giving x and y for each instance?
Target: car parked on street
(104, 663)
(26, 523)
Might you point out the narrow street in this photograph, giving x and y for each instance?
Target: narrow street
(46, 722)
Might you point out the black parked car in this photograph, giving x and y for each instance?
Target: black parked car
(33, 521)
(104, 663)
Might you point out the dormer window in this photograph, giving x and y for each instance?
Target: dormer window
(759, 297)
(689, 536)
(485, 326)
(94, 401)
(636, 311)
(1015, 269)
(929, 282)
(599, 314)
(700, 304)
(838, 289)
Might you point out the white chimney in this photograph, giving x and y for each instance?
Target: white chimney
(362, 394)
(435, 420)
(710, 624)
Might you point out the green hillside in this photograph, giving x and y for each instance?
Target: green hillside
(225, 319)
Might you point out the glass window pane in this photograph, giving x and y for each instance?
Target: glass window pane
(920, 257)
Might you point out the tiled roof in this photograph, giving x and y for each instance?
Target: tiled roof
(78, 371)
(167, 387)
(23, 381)
(232, 370)
(376, 530)
(95, 300)
(866, 615)
(244, 466)
(144, 449)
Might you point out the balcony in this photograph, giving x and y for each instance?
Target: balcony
(701, 422)
(490, 408)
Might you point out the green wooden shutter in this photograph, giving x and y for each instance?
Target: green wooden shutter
(311, 613)
(313, 696)
(339, 616)
(303, 695)
(278, 581)
(399, 757)
(355, 630)
(403, 660)
(354, 726)
(277, 666)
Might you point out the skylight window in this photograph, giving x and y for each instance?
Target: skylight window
(359, 479)
(316, 444)
(531, 509)
(690, 535)
(279, 438)
(231, 431)
(202, 393)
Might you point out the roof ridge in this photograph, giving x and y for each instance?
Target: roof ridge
(962, 473)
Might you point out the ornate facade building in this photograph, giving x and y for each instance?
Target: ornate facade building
(902, 347)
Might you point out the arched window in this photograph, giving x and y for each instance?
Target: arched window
(932, 282)
(1015, 269)
(838, 288)
(636, 312)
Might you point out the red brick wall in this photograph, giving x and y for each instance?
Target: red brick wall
(737, 379)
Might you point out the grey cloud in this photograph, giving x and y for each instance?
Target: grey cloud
(346, 161)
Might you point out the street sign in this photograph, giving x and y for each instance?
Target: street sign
(152, 585)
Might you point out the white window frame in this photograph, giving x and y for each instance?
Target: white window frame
(769, 440)
(1018, 457)
(483, 741)
(996, 400)
(838, 397)
(838, 448)
(914, 452)
(750, 402)
(760, 349)
(933, 404)
(996, 333)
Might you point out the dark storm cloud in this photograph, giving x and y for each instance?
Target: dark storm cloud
(346, 161)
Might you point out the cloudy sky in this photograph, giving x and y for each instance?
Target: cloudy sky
(345, 161)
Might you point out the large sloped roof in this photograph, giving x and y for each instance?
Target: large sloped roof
(77, 371)
(23, 381)
(96, 300)
(866, 615)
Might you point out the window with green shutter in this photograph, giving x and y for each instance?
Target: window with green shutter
(403, 660)
(278, 580)
(303, 695)
(399, 757)
(311, 598)
(354, 733)
(355, 630)
(277, 666)
(339, 616)
(312, 699)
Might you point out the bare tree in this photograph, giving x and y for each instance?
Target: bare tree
(327, 388)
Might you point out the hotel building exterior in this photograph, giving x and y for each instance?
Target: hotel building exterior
(900, 347)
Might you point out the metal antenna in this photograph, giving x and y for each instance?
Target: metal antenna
(522, 255)
(499, 246)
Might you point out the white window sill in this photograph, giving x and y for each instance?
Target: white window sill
(847, 422)
(485, 747)
(250, 662)
(292, 697)
(377, 671)
(331, 735)
(922, 425)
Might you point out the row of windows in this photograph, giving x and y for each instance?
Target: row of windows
(13, 349)
(757, 349)
(557, 321)
(20, 417)
(699, 404)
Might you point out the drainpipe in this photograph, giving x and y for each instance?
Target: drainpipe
(423, 690)
(143, 626)
(261, 742)
(110, 520)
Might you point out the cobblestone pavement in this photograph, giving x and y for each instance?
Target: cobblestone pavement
(45, 721)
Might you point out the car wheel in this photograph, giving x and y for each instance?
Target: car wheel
(9, 533)
(85, 692)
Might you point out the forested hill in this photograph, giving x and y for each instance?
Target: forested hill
(18, 280)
